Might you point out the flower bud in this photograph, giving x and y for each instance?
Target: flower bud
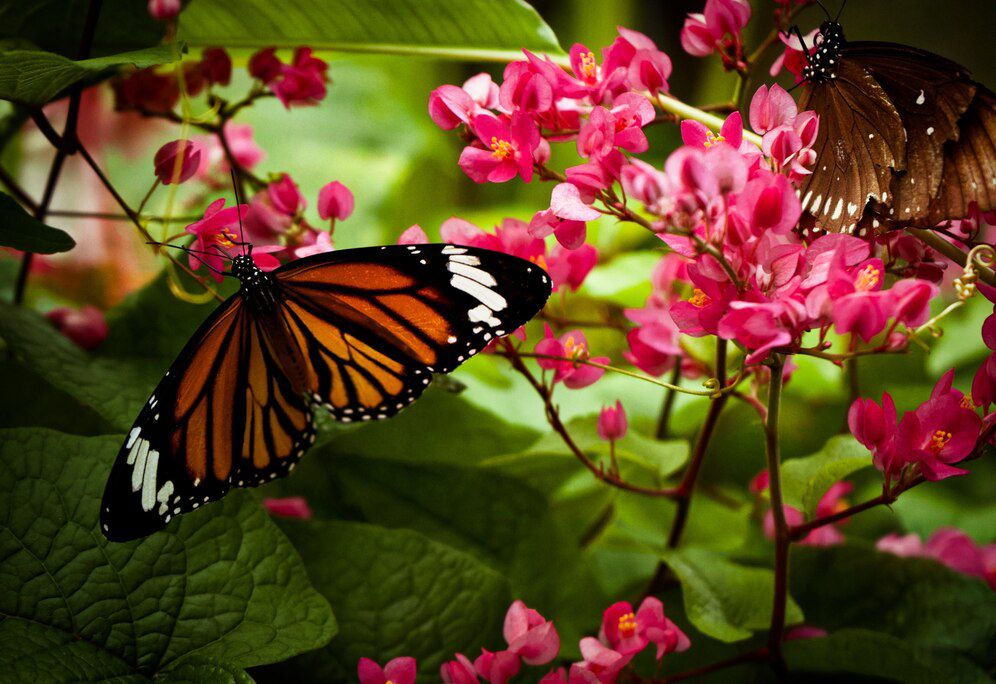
(177, 161)
(612, 422)
(161, 10)
(84, 326)
(335, 202)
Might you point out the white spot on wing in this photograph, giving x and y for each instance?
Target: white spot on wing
(921, 98)
(490, 298)
(141, 452)
(483, 277)
(132, 436)
(149, 481)
(482, 314)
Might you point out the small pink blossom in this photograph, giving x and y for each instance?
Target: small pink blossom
(265, 65)
(86, 326)
(530, 635)
(771, 108)
(289, 507)
(905, 546)
(459, 671)
(571, 349)
(911, 300)
(569, 267)
(505, 150)
(335, 202)
(323, 243)
(413, 235)
(601, 661)
(497, 668)
(397, 671)
(302, 82)
(216, 232)
(629, 632)
(177, 161)
(950, 546)
(704, 33)
(216, 66)
(162, 10)
(570, 234)
(612, 422)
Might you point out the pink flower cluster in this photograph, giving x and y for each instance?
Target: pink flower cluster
(300, 83)
(273, 222)
(926, 441)
(831, 502)
(601, 107)
(532, 640)
(950, 546)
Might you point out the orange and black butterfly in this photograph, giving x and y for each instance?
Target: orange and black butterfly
(358, 332)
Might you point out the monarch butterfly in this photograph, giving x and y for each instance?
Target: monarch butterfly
(359, 332)
(904, 131)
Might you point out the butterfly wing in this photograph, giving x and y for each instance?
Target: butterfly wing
(969, 173)
(860, 140)
(375, 323)
(931, 94)
(224, 415)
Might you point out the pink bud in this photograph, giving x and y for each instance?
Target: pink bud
(265, 65)
(612, 422)
(216, 66)
(413, 236)
(335, 202)
(285, 196)
(84, 326)
(459, 671)
(771, 108)
(289, 507)
(177, 161)
(696, 37)
(161, 10)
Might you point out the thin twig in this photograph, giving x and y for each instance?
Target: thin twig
(938, 243)
(17, 191)
(782, 539)
(669, 398)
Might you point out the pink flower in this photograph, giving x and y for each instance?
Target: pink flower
(506, 151)
(643, 182)
(697, 134)
(911, 301)
(761, 326)
(703, 33)
(216, 66)
(497, 668)
(653, 346)
(768, 203)
(600, 83)
(273, 211)
(855, 299)
(566, 203)
(323, 243)
(596, 139)
(289, 507)
(570, 234)
(901, 545)
(265, 65)
(629, 632)
(397, 671)
(530, 635)
(286, 197)
(950, 546)
(612, 422)
(162, 10)
(569, 267)
(302, 82)
(772, 108)
(571, 349)
(177, 161)
(984, 383)
(601, 661)
(804, 632)
(216, 232)
(701, 313)
(450, 106)
(335, 202)
(85, 326)
(875, 427)
(459, 671)
(649, 70)
(146, 91)
(413, 235)
(941, 431)
(833, 501)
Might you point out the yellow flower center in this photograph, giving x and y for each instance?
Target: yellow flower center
(938, 440)
(699, 298)
(868, 277)
(574, 350)
(713, 139)
(539, 260)
(501, 149)
(226, 238)
(968, 402)
(589, 67)
(627, 624)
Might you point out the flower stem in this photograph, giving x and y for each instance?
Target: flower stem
(782, 533)
(675, 106)
(951, 251)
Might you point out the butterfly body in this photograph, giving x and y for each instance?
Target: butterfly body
(358, 333)
(896, 142)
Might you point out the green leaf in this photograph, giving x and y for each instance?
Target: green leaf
(915, 599)
(872, 654)
(114, 389)
(725, 600)
(198, 670)
(222, 582)
(493, 30)
(395, 593)
(805, 480)
(623, 280)
(20, 230)
(34, 77)
(57, 25)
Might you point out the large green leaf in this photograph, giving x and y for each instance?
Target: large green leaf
(20, 230)
(34, 77)
(805, 480)
(57, 25)
(723, 599)
(221, 583)
(394, 593)
(915, 599)
(882, 656)
(114, 389)
(465, 29)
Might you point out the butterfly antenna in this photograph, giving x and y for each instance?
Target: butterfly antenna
(238, 210)
(840, 11)
(192, 252)
(802, 40)
(825, 10)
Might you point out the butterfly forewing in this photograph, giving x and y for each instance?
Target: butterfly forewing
(359, 332)
(860, 141)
